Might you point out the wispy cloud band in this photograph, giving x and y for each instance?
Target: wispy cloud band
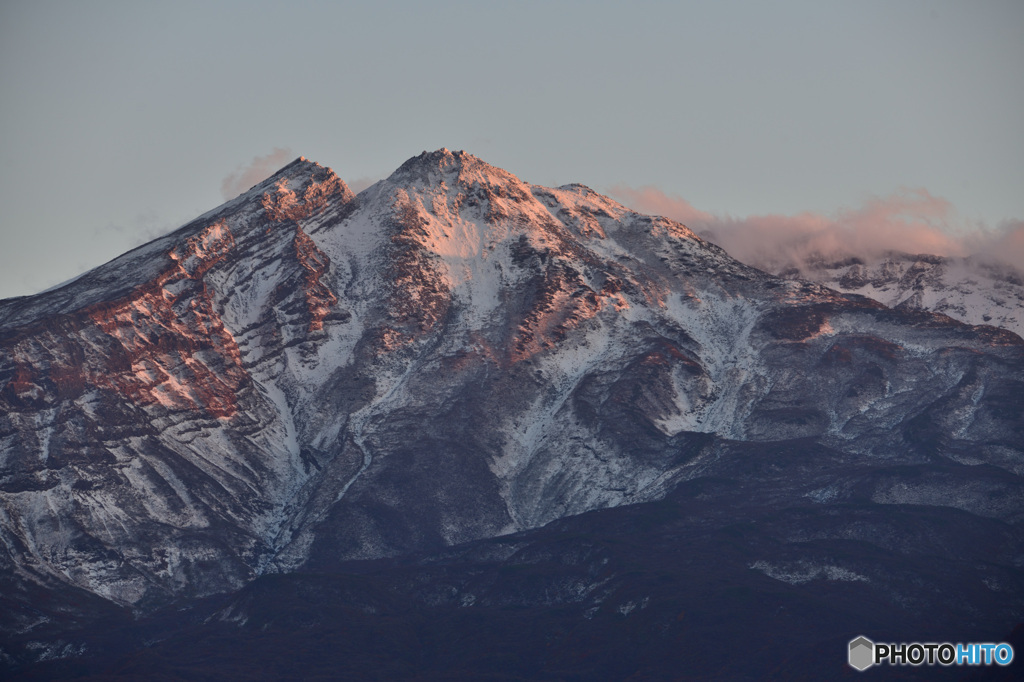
(911, 221)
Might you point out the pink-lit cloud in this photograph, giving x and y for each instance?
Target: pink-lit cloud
(258, 170)
(359, 184)
(653, 201)
(1005, 244)
(911, 221)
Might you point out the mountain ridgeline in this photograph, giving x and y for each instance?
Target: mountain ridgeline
(453, 363)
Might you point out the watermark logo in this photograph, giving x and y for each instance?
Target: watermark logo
(863, 653)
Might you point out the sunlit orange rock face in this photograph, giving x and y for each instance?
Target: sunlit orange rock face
(420, 295)
(171, 346)
(319, 298)
(469, 222)
(283, 203)
(164, 343)
(561, 301)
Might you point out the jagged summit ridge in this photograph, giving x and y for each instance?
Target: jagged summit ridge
(144, 264)
(303, 376)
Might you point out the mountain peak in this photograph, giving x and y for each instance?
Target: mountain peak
(300, 377)
(301, 188)
(299, 174)
(439, 157)
(452, 168)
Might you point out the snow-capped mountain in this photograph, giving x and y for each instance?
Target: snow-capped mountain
(303, 377)
(973, 290)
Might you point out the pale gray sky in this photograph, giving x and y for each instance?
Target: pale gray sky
(122, 120)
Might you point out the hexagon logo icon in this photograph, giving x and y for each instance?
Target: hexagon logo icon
(862, 653)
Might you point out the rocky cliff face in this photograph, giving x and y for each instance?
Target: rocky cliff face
(303, 377)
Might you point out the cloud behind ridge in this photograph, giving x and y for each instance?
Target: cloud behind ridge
(258, 170)
(910, 221)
